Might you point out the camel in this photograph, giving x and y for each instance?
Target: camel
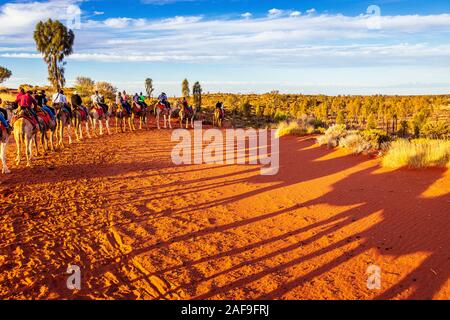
(122, 117)
(63, 119)
(43, 128)
(218, 118)
(24, 133)
(188, 114)
(4, 137)
(98, 115)
(141, 112)
(80, 116)
(166, 112)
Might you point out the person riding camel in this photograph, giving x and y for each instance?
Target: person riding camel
(163, 100)
(99, 101)
(42, 102)
(124, 101)
(3, 120)
(136, 100)
(26, 103)
(77, 102)
(220, 106)
(61, 99)
(186, 105)
(142, 100)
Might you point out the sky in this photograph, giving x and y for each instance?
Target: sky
(240, 46)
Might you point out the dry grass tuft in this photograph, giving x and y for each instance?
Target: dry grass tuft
(292, 128)
(421, 153)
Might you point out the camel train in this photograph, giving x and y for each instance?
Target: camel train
(47, 132)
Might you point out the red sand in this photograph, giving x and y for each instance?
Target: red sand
(140, 227)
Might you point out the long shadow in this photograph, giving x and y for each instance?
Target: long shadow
(411, 224)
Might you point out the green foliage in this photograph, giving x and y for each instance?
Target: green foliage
(403, 128)
(340, 117)
(371, 122)
(55, 42)
(197, 92)
(4, 74)
(107, 90)
(280, 116)
(376, 138)
(419, 120)
(246, 109)
(84, 86)
(185, 91)
(436, 130)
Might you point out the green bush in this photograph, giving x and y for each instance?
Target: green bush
(376, 138)
(436, 130)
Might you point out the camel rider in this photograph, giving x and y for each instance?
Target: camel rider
(3, 119)
(186, 104)
(61, 99)
(77, 102)
(219, 105)
(26, 103)
(163, 100)
(124, 101)
(142, 100)
(136, 100)
(42, 101)
(99, 101)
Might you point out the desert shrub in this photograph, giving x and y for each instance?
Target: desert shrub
(419, 120)
(356, 143)
(292, 128)
(376, 138)
(421, 153)
(403, 128)
(436, 130)
(280, 116)
(332, 136)
(316, 123)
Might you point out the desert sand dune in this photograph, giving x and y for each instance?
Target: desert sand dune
(140, 227)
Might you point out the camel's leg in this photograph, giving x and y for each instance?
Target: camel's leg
(52, 135)
(170, 120)
(17, 137)
(107, 126)
(81, 130)
(87, 129)
(61, 134)
(101, 126)
(69, 132)
(157, 121)
(28, 149)
(5, 169)
(117, 127)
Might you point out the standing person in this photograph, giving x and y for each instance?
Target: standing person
(3, 119)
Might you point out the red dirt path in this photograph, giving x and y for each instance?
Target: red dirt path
(140, 227)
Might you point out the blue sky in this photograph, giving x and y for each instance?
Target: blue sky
(330, 47)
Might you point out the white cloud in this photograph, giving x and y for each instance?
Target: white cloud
(275, 13)
(311, 11)
(312, 39)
